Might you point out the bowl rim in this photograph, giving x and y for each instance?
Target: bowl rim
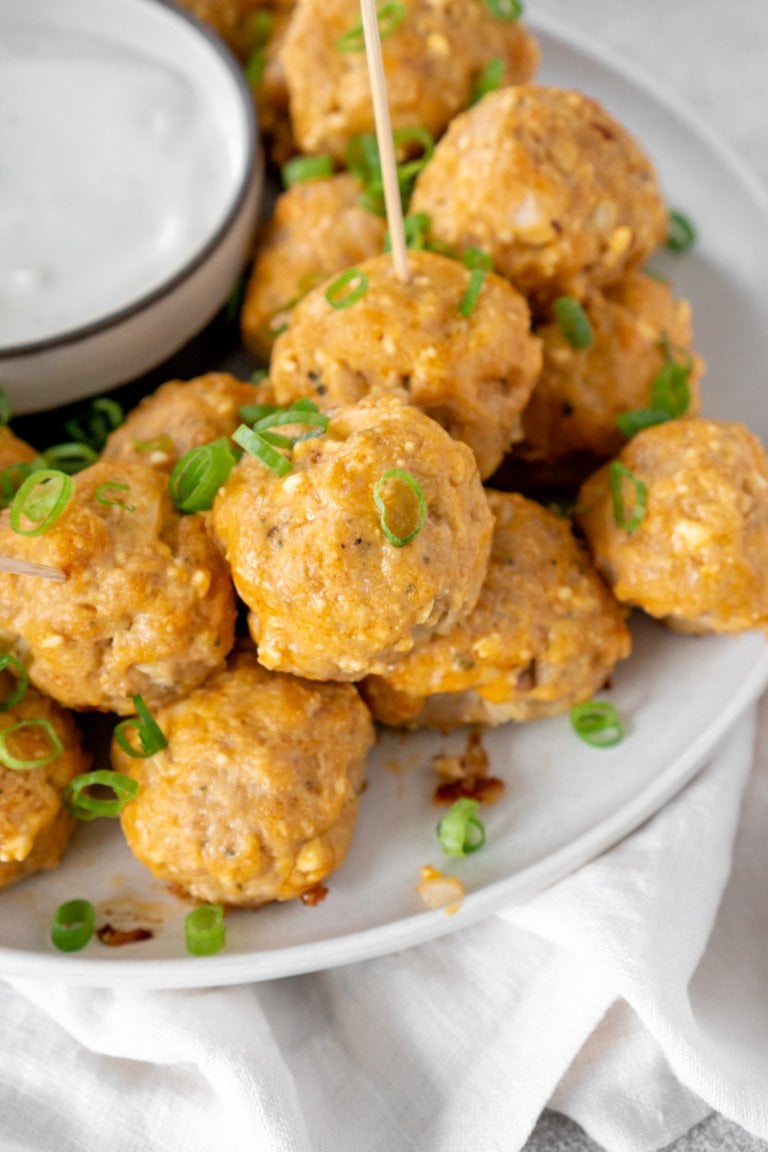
(250, 172)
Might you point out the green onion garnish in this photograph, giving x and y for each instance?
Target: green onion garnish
(257, 446)
(574, 322)
(40, 501)
(27, 763)
(81, 804)
(408, 169)
(681, 234)
(479, 263)
(303, 412)
(151, 738)
(113, 486)
(597, 722)
(5, 409)
(505, 9)
(199, 474)
(336, 293)
(630, 423)
(362, 157)
(389, 16)
(102, 417)
(391, 507)
(10, 662)
(71, 457)
(162, 443)
(250, 413)
(303, 168)
(488, 79)
(461, 831)
(73, 925)
(619, 476)
(204, 930)
(670, 392)
(261, 24)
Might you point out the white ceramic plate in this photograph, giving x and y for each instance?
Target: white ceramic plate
(564, 802)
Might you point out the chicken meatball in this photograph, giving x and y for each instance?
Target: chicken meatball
(180, 415)
(34, 824)
(678, 525)
(146, 606)
(545, 635)
(318, 228)
(639, 329)
(255, 798)
(472, 374)
(431, 61)
(547, 182)
(331, 595)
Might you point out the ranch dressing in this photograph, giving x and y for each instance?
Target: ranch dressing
(113, 171)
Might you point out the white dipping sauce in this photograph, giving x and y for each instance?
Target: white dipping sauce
(113, 172)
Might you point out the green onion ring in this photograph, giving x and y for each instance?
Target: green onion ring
(73, 924)
(42, 499)
(199, 474)
(378, 499)
(574, 322)
(151, 737)
(257, 446)
(71, 457)
(15, 762)
(102, 417)
(17, 694)
(638, 419)
(86, 807)
(461, 831)
(113, 486)
(303, 168)
(205, 933)
(618, 475)
(389, 16)
(317, 422)
(469, 300)
(162, 443)
(335, 292)
(597, 722)
(681, 234)
(488, 79)
(505, 9)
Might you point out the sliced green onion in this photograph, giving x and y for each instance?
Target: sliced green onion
(505, 9)
(162, 443)
(630, 423)
(362, 157)
(113, 486)
(250, 413)
(468, 302)
(336, 293)
(574, 322)
(259, 375)
(5, 408)
(261, 24)
(317, 422)
(386, 509)
(597, 722)
(303, 168)
(27, 763)
(461, 831)
(488, 79)
(257, 446)
(199, 474)
(73, 925)
(389, 15)
(70, 458)
(416, 227)
(619, 476)
(10, 662)
(40, 501)
(408, 169)
(81, 804)
(670, 392)
(151, 738)
(475, 258)
(681, 234)
(205, 933)
(102, 417)
(12, 477)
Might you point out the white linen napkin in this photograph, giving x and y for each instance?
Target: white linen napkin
(631, 996)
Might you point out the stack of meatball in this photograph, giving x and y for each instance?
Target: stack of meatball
(483, 606)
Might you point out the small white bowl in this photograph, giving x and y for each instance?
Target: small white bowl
(137, 186)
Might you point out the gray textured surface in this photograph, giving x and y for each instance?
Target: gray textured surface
(555, 1133)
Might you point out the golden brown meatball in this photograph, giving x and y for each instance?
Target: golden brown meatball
(146, 606)
(318, 228)
(180, 415)
(34, 825)
(331, 598)
(471, 374)
(638, 326)
(545, 635)
(547, 182)
(255, 797)
(431, 61)
(13, 450)
(698, 556)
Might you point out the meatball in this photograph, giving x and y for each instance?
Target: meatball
(255, 797)
(146, 607)
(318, 228)
(545, 634)
(471, 374)
(330, 596)
(431, 61)
(34, 824)
(638, 327)
(693, 496)
(13, 450)
(180, 415)
(547, 182)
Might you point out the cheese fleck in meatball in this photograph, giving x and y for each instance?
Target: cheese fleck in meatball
(330, 597)
(255, 798)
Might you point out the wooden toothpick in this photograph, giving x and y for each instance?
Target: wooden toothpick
(384, 136)
(26, 568)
